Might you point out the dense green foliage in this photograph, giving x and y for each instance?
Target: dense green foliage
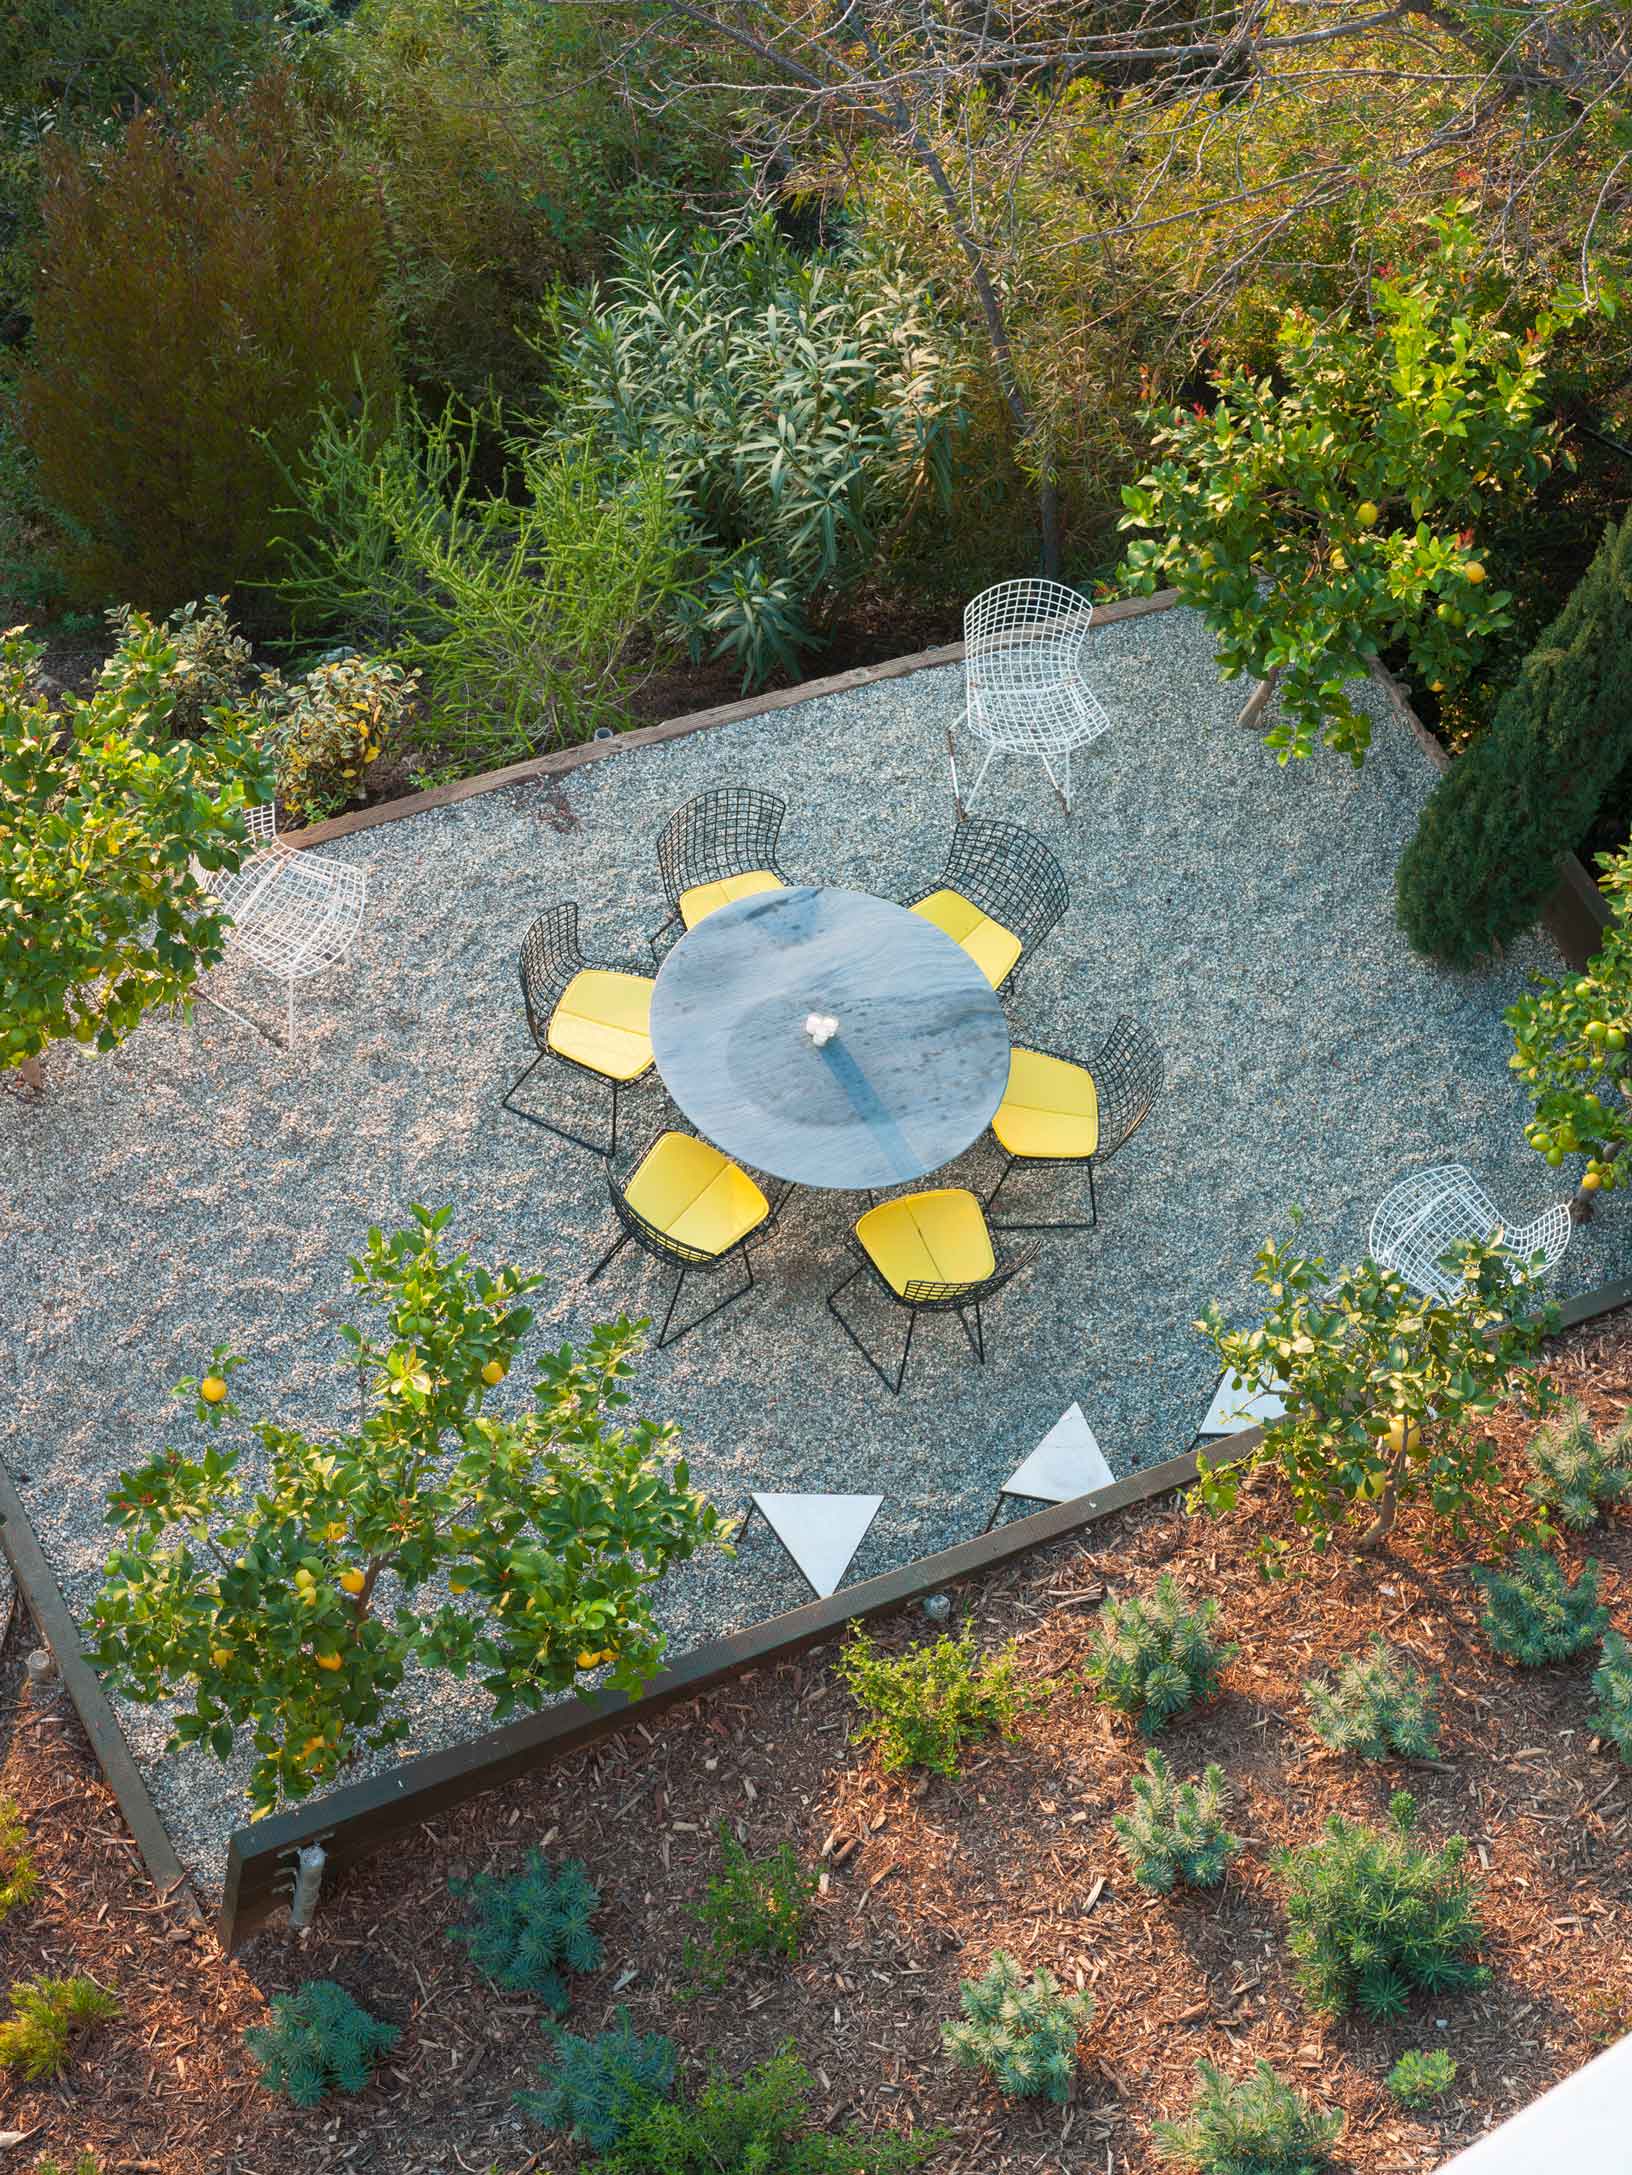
(752, 1907)
(1374, 1915)
(526, 1932)
(48, 2019)
(924, 1706)
(1573, 1476)
(592, 2089)
(19, 1875)
(1380, 1703)
(1485, 856)
(1611, 1716)
(1176, 1830)
(1420, 2080)
(1155, 1657)
(1020, 2032)
(1384, 1390)
(1534, 1613)
(1252, 2125)
(319, 2040)
(250, 1594)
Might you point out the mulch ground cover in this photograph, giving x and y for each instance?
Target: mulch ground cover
(922, 1879)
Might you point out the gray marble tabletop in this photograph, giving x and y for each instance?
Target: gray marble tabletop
(913, 1075)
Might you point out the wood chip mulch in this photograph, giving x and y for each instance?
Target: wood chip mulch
(922, 1879)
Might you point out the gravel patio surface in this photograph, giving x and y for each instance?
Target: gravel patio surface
(200, 1186)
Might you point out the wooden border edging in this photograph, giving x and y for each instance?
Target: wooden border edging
(43, 1598)
(356, 1820)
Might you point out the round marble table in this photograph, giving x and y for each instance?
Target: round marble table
(913, 1075)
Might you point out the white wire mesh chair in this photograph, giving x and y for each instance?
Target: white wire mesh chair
(1024, 693)
(1424, 1216)
(291, 913)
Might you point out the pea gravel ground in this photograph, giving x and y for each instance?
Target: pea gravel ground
(200, 1186)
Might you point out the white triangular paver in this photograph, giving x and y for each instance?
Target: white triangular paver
(1067, 1462)
(1235, 1407)
(820, 1532)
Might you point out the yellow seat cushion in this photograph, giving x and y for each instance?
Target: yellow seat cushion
(930, 1238)
(705, 899)
(993, 948)
(695, 1195)
(603, 1021)
(1049, 1108)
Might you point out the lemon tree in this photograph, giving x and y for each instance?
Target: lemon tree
(1321, 515)
(1384, 1390)
(107, 829)
(1572, 1047)
(456, 1527)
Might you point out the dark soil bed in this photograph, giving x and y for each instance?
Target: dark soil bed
(922, 1879)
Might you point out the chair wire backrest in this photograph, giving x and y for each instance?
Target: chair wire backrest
(549, 959)
(925, 1291)
(1009, 874)
(1021, 634)
(261, 823)
(724, 832)
(1127, 1075)
(656, 1242)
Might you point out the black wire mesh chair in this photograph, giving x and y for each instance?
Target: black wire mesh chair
(1010, 878)
(692, 1209)
(593, 1019)
(930, 1295)
(1060, 1110)
(720, 846)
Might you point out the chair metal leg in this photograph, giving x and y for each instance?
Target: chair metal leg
(1058, 1223)
(656, 938)
(894, 1387)
(578, 1140)
(606, 1260)
(719, 1307)
(980, 779)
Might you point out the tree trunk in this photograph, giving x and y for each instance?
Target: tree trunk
(1388, 1503)
(1259, 700)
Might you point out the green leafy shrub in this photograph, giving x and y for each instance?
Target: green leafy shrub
(1156, 1658)
(533, 613)
(594, 2088)
(1254, 2125)
(757, 2127)
(1380, 1703)
(1021, 2032)
(754, 1907)
(1176, 1831)
(103, 913)
(923, 1707)
(526, 1931)
(19, 1875)
(319, 2040)
(208, 669)
(1533, 1614)
(1375, 1914)
(1573, 1475)
(1319, 515)
(47, 2017)
(1418, 2080)
(1484, 859)
(159, 451)
(324, 730)
(1611, 1718)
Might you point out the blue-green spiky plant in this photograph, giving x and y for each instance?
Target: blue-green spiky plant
(1156, 1657)
(1022, 2032)
(525, 1931)
(1418, 2080)
(319, 2040)
(1176, 1830)
(1256, 2125)
(1572, 1473)
(596, 2087)
(1532, 1613)
(1611, 1718)
(1380, 1703)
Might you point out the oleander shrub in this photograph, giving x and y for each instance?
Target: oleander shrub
(1611, 1718)
(758, 2126)
(592, 2089)
(325, 729)
(48, 2019)
(1175, 1832)
(923, 1707)
(753, 1907)
(205, 286)
(525, 1932)
(1420, 2080)
(1534, 1614)
(1155, 1657)
(1573, 1475)
(19, 1875)
(1379, 1703)
(1252, 2125)
(1376, 1915)
(1022, 2033)
(320, 2040)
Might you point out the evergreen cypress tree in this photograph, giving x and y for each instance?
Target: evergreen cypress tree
(1486, 853)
